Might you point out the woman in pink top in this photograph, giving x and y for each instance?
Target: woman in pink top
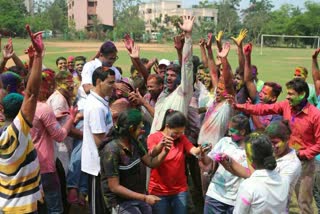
(44, 132)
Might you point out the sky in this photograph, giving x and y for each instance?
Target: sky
(245, 3)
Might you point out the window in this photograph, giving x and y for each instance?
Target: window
(91, 17)
(178, 6)
(90, 4)
(149, 10)
(72, 3)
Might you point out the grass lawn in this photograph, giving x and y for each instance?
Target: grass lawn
(276, 64)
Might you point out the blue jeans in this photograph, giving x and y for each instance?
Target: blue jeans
(76, 178)
(174, 204)
(52, 192)
(132, 207)
(213, 206)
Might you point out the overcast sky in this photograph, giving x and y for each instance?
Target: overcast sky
(245, 3)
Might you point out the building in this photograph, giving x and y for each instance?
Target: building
(29, 5)
(84, 13)
(155, 8)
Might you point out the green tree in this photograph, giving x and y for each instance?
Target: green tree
(256, 16)
(228, 18)
(12, 16)
(128, 21)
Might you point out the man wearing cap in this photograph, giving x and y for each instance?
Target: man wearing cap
(163, 64)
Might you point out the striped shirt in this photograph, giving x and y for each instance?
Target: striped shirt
(20, 185)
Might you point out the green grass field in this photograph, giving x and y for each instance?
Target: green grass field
(276, 64)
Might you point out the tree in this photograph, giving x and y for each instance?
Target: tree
(256, 16)
(12, 16)
(128, 21)
(228, 18)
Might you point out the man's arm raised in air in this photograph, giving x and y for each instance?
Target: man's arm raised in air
(252, 89)
(211, 63)
(316, 71)
(226, 68)
(29, 104)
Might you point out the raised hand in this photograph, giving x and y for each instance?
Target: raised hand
(209, 41)
(225, 50)
(218, 40)
(7, 51)
(179, 41)
(187, 24)
(135, 52)
(242, 35)
(128, 42)
(202, 42)
(36, 40)
(315, 53)
(247, 49)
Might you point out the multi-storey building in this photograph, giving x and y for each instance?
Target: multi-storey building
(84, 12)
(155, 8)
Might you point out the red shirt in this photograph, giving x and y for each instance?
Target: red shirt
(169, 178)
(305, 125)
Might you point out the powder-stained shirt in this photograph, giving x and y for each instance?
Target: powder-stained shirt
(119, 161)
(215, 123)
(45, 131)
(224, 185)
(305, 124)
(20, 186)
(290, 167)
(265, 191)
(180, 98)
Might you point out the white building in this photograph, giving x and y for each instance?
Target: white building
(153, 9)
(29, 5)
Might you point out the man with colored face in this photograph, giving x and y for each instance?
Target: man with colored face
(302, 73)
(305, 138)
(61, 63)
(162, 67)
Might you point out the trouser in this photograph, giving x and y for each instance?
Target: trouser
(304, 187)
(174, 204)
(195, 187)
(52, 193)
(132, 207)
(213, 206)
(96, 199)
(76, 178)
(316, 186)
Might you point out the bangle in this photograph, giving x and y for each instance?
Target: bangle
(144, 198)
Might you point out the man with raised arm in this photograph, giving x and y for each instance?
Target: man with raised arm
(177, 95)
(19, 165)
(215, 123)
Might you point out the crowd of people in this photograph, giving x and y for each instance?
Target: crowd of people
(175, 136)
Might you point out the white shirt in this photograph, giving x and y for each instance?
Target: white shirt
(179, 99)
(290, 167)
(86, 75)
(264, 192)
(224, 185)
(97, 120)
